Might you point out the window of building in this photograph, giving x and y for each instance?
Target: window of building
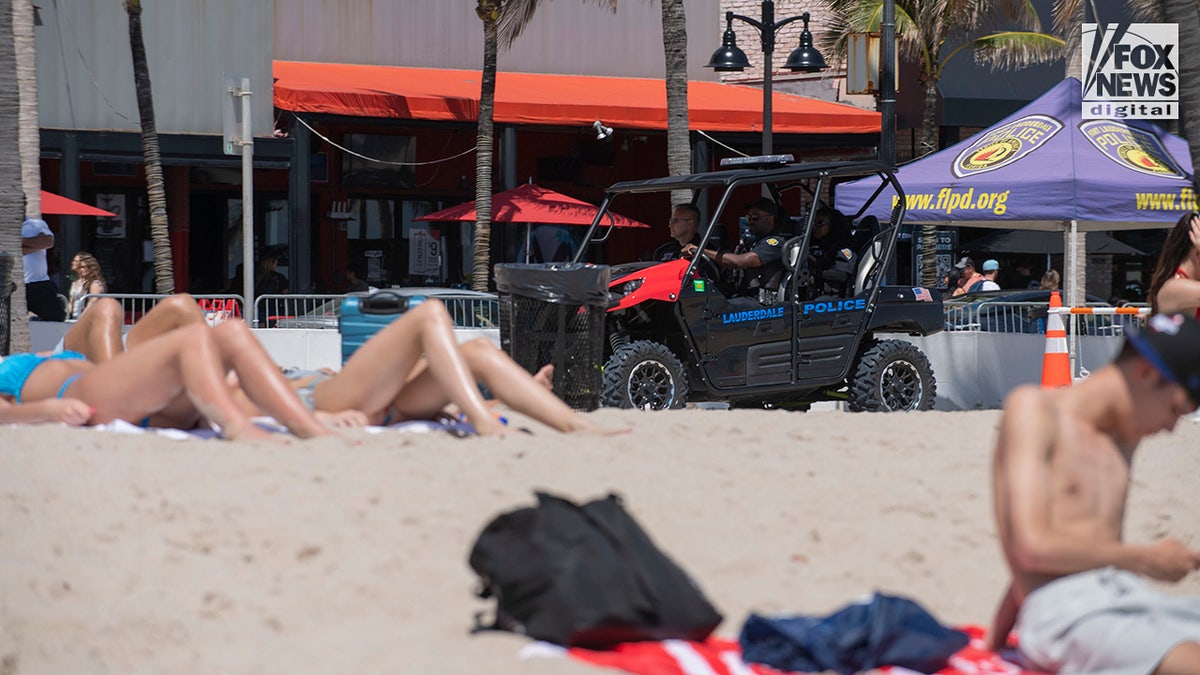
(389, 166)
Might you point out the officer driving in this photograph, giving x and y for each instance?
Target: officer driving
(757, 263)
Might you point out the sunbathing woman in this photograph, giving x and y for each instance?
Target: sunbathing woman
(386, 379)
(1175, 286)
(132, 386)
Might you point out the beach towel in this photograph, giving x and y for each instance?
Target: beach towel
(453, 427)
(720, 656)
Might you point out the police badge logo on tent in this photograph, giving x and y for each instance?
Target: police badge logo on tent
(1004, 145)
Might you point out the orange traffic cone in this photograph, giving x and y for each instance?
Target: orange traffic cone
(1056, 364)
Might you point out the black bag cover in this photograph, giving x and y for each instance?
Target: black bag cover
(585, 576)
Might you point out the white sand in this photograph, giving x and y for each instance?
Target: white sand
(136, 554)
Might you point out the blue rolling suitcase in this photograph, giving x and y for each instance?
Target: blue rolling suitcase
(364, 315)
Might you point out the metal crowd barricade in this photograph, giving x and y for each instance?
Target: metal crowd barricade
(472, 311)
(1030, 317)
(217, 307)
(323, 311)
(1118, 319)
(312, 311)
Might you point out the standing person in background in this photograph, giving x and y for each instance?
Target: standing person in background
(269, 280)
(41, 295)
(1175, 284)
(88, 280)
(987, 281)
(967, 277)
(354, 281)
(1050, 281)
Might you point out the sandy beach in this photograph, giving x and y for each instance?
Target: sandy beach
(139, 554)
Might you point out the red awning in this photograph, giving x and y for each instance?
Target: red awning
(58, 205)
(535, 98)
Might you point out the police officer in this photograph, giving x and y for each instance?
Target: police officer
(758, 263)
(685, 219)
(832, 253)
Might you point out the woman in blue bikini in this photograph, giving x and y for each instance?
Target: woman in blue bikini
(411, 370)
(189, 362)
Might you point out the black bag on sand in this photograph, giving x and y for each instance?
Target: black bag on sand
(585, 576)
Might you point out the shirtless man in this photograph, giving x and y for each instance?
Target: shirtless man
(1061, 475)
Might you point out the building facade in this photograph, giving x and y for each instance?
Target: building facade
(342, 187)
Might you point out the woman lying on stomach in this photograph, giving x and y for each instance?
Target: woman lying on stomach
(184, 368)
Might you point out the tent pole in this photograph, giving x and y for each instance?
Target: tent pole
(1075, 297)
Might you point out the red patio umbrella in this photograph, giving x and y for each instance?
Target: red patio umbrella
(531, 204)
(61, 206)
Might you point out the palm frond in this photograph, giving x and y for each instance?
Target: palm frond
(1148, 10)
(515, 16)
(1068, 15)
(1014, 49)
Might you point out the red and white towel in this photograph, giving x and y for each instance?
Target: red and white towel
(719, 656)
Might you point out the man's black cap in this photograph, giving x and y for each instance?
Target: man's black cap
(1171, 343)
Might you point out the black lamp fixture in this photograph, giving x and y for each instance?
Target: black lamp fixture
(730, 58)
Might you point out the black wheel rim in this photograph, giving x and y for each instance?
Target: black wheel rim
(900, 386)
(651, 386)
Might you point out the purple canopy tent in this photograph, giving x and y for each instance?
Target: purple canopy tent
(1046, 168)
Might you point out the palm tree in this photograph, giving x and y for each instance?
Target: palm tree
(164, 273)
(21, 191)
(503, 22)
(923, 29)
(679, 147)
(1186, 14)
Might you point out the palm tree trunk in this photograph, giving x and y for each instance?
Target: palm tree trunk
(929, 143)
(679, 148)
(481, 267)
(1186, 15)
(30, 137)
(1072, 50)
(164, 272)
(19, 172)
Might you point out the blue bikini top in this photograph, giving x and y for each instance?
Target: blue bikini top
(16, 369)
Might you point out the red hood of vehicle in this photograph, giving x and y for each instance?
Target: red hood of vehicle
(661, 282)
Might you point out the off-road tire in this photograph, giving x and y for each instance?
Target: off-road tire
(892, 375)
(644, 375)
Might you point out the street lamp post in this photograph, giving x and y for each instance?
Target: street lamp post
(729, 58)
(887, 84)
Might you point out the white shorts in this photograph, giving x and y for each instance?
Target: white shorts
(1104, 621)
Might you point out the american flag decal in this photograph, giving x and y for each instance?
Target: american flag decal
(922, 295)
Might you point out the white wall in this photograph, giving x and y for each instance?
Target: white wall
(85, 70)
(571, 37)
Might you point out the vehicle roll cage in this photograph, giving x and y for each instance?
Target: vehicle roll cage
(778, 180)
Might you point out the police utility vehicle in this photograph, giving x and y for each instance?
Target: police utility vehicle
(678, 332)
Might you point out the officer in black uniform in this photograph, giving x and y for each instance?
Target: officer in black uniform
(685, 220)
(758, 263)
(832, 254)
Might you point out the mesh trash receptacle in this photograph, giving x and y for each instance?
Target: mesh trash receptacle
(554, 313)
(6, 290)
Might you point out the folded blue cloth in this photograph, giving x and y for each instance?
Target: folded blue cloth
(885, 631)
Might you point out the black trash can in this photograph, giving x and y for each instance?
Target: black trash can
(554, 313)
(6, 290)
